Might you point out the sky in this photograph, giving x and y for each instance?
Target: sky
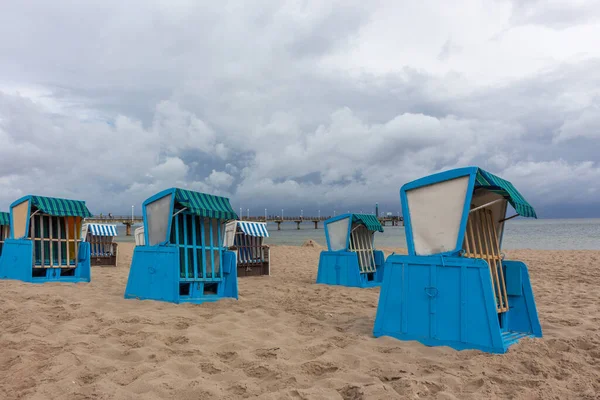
(298, 105)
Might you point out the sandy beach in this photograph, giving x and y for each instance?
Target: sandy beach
(285, 338)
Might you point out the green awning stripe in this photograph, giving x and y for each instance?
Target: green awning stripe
(4, 218)
(205, 205)
(212, 204)
(507, 190)
(369, 220)
(61, 207)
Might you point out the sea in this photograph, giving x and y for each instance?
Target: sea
(538, 234)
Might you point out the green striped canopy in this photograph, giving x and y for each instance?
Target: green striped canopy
(61, 207)
(4, 218)
(205, 205)
(504, 188)
(369, 220)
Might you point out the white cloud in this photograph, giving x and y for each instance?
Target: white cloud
(172, 168)
(584, 125)
(220, 179)
(306, 104)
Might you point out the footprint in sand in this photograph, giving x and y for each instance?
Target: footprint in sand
(351, 393)
(177, 340)
(258, 371)
(181, 325)
(318, 368)
(209, 368)
(227, 356)
(267, 353)
(474, 385)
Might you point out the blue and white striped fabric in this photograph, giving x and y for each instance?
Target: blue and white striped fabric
(258, 229)
(103, 230)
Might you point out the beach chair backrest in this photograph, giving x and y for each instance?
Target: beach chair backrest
(249, 247)
(337, 233)
(201, 246)
(361, 242)
(139, 236)
(481, 241)
(436, 208)
(101, 238)
(53, 225)
(434, 213)
(55, 240)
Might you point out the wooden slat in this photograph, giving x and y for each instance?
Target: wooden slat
(467, 245)
(369, 249)
(185, 244)
(203, 241)
(491, 261)
(59, 234)
(481, 242)
(363, 238)
(360, 248)
(212, 252)
(496, 246)
(42, 259)
(32, 235)
(219, 244)
(361, 244)
(67, 236)
(75, 237)
(370, 237)
(50, 242)
(194, 246)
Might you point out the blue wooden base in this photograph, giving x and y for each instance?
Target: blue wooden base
(154, 275)
(449, 301)
(341, 268)
(17, 261)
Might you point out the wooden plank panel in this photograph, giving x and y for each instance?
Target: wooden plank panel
(67, 239)
(76, 224)
(496, 244)
(43, 258)
(492, 262)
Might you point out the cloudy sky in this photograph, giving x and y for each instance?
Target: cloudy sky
(298, 104)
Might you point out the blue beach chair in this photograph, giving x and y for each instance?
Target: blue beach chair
(247, 238)
(45, 241)
(103, 249)
(455, 288)
(182, 258)
(351, 258)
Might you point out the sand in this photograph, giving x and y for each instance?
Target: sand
(285, 338)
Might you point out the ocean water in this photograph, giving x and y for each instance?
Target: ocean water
(122, 230)
(540, 234)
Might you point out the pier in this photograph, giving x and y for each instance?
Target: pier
(128, 221)
(393, 221)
